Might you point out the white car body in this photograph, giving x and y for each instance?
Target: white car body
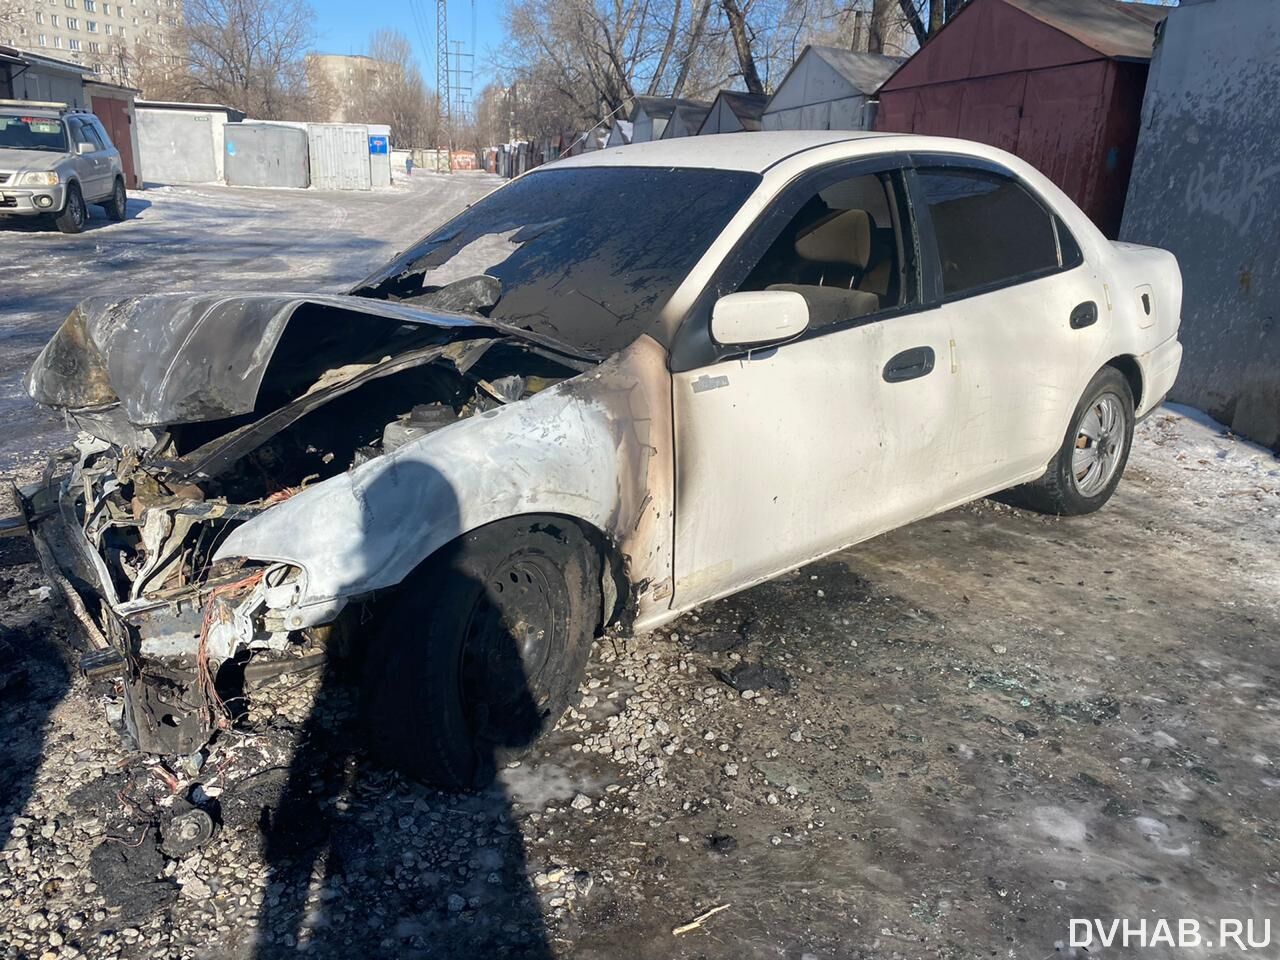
(706, 468)
(802, 449)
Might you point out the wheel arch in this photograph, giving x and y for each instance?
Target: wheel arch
(1128, 366)
(592, 449)
(616, 588)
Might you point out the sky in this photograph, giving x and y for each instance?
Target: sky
(344, 26)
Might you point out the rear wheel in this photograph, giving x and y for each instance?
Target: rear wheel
(118, 206)
(1087, 467)
(74, 212)
(482, 650)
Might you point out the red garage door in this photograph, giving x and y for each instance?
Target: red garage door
(114, 115)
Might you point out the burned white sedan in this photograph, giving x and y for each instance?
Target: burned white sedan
(621, 386)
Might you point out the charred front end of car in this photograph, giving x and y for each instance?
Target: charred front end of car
(198, 417)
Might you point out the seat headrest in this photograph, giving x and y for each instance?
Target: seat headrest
(843, 237)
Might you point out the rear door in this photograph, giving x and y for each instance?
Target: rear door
(114, 115)
(111, 155)
(89, 166)
(1028, 315)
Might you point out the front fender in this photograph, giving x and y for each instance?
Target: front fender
(596, 447)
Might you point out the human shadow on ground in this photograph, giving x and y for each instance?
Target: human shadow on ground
(34, 677)
(364, 861)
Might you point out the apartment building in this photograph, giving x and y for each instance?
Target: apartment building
(344, 81)
(116, 39)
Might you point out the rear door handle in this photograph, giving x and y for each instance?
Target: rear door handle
(1084, 315)
(909, 364)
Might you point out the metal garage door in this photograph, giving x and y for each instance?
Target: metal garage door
(339, 156)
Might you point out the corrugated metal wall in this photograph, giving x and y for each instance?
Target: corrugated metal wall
(339, 156)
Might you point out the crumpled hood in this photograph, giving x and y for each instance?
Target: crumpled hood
(183, 357)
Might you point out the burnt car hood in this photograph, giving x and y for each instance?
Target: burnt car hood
(183, 357)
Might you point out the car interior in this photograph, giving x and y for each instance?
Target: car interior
(841, 251)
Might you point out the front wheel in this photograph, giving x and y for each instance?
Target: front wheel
(74, 213)
(1087, 467)
(482, 650)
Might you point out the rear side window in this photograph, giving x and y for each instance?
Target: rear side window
(990, 231)
(102, 134)
(82, 132)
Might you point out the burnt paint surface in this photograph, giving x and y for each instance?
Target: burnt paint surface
(179, 358)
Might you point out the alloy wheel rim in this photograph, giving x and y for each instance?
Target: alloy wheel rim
(1099, 445)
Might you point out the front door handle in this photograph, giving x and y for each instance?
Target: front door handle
(1085, 315)
(909, 364)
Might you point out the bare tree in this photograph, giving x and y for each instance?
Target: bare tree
(249, 54)
(741, 33)
(391, 91)
(14, 17)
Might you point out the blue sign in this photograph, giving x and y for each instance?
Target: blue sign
(379, 145)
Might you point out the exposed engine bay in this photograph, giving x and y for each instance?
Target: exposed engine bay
(177, 449)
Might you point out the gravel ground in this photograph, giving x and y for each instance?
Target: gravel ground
(944, 743)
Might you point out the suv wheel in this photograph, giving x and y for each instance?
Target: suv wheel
(74, 213)
(118, 206)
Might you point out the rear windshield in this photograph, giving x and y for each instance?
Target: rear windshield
(32, 133)
(586, 256)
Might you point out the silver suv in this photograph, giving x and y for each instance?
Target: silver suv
(55, 161)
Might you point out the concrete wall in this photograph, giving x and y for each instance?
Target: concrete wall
(181, 146)
(1206, 185)
(266, 155)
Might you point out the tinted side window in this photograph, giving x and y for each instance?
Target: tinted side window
(989, 230)
(101, 131)
(78, 133)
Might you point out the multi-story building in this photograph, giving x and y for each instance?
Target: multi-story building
(118, 39)
(345, 81)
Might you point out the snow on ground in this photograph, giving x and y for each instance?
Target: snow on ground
(198, 238)
(1190, 450)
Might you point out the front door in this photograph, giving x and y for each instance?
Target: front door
(787, 453)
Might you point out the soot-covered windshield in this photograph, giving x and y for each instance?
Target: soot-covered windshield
(586, 256)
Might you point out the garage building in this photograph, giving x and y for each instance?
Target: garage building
(1057, 82)
(828, 88)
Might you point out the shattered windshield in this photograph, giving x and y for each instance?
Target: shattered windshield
(32, 133)
(586, 256)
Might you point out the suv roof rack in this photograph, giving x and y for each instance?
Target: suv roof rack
(44, 105)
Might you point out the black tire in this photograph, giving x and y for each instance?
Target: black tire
(74, 213)
(1067, 487)
(117, 207)
(482, 650)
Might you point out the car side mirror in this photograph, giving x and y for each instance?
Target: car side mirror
(83, 148)
(758, 317)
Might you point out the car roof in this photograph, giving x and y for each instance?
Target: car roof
(755, 151)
